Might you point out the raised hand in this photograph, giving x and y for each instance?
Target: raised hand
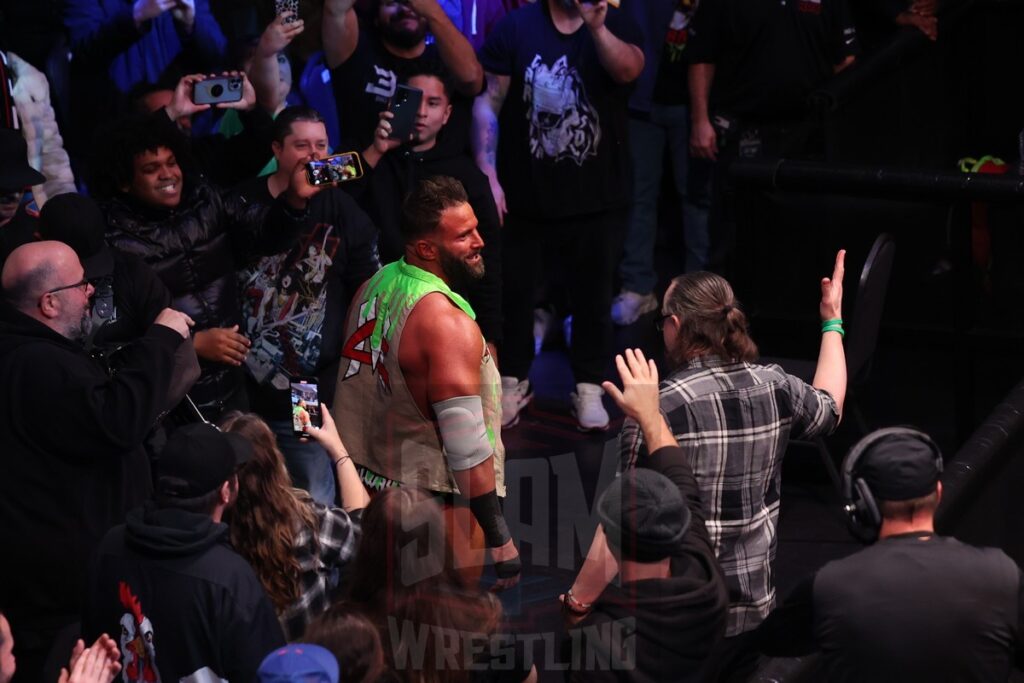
(181, 103)
(184, 13)
(248, 100)
(593, 13)
(144, 10)
(382, 142)
(279, 34)
(639, 395)
(831, 306)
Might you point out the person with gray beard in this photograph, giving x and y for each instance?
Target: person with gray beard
(71, 462)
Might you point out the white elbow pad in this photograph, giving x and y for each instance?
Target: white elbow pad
(463, 432)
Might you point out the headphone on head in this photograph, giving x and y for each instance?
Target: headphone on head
(863, 517)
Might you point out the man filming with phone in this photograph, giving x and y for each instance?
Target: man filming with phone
(367, 61)
(294, 301)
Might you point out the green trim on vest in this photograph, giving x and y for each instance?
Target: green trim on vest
(407, 284)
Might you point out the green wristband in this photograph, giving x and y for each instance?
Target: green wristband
(833, 321)
(833, 328)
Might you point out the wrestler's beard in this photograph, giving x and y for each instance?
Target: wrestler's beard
(459, 273)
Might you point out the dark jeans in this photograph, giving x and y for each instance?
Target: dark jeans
(585, 249)
(667, 127)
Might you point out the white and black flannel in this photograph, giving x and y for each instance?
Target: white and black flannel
(734, 421)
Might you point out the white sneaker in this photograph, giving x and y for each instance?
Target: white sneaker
(588, 407)
(515, 396)
(628, 306)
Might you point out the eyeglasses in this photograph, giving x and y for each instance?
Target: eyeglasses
(83, 283)
(659, 322)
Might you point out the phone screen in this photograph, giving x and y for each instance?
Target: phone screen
(334, 169)
(306, 409)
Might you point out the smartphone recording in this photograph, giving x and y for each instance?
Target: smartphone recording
(335, 169)
(306, 409)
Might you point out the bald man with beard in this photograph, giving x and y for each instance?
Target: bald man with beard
(71, 461)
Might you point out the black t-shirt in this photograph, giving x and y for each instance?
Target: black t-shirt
(562, 145)
(769, 54)
(366, 81)
(913, 607)
(670, 88)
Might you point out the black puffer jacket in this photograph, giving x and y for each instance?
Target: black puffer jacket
(194, 249)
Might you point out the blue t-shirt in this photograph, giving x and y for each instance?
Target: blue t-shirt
(562, 145)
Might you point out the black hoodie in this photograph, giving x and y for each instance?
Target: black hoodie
(395, 176)
(659, 629)
(180, 598)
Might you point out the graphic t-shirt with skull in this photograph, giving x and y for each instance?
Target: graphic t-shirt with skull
(562, 143)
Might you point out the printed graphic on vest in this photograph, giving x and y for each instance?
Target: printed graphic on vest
(383, 88)
(563, 123)
(360, 349)
(284, 301)
(138, 650)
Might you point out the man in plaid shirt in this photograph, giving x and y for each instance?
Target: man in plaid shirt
(733, 420)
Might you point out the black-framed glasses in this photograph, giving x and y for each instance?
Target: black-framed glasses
(659, 322)
(83, 283)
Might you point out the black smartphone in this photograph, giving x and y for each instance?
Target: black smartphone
(282, 6)
(217, 90)
(306, 408)
(338, 168)
(405, 104)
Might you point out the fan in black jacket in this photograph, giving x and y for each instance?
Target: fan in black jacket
(72, 461)
(194, 239)
(669, 608)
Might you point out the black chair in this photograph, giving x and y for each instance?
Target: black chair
(859, 343)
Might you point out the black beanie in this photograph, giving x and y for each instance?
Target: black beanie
(644, 516)
(78, 222)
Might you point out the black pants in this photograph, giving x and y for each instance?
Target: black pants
(743, 140)
(585, 252)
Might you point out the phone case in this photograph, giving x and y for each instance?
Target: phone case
(282, 6)
(217, 90)
(404, 105)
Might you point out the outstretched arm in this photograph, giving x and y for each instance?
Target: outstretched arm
(830, 374)
(456, 52)
(340, 31)
(623, 61)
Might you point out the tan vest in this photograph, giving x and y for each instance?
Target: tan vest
(380, 423)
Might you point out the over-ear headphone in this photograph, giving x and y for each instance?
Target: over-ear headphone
(863, 516)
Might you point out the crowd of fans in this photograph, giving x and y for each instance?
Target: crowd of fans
(164, 495)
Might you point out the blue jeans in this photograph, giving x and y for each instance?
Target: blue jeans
(307, 463)
(668, 125)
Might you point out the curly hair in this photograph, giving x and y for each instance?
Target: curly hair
(405, 577)
(123, 139)
(268, 512)
(710, 320)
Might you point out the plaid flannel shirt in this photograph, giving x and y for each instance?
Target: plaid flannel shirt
(733, 421)
(321, 560)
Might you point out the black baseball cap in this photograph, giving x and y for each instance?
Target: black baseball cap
(900, 467)
(644, 515)
(77, 221)
(198, 459)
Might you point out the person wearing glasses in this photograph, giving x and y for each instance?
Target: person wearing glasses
(733, 419)
(72, 460)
